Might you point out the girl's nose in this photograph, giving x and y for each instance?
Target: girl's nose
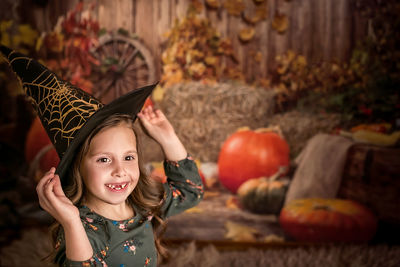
(118, 170)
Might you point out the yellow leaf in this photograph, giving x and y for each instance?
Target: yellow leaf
(39, 43)
(5, 39)
(239, 232)
(232, 203)
(291, 55)
(273, 239)
(234, 7)
(197, 69)
(246, 34)
(5, 25)
(194, 210)
(211, 61)
(28, 35)
(258, 56)
(16, 40)
(261, 13)
(158, 93)
(280, 23)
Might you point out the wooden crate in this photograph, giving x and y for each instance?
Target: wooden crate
(372, 177)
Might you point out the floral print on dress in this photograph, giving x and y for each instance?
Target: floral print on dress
(147, 261)
(176, 193)
(131, 245)
(123, 225)
(89, 222)
(198, 187)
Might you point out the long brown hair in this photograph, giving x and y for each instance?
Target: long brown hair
(147, 195)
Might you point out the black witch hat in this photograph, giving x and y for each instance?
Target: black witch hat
(67, 113)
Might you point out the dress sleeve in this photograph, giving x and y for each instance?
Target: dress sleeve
(99, 247)
(184, 188)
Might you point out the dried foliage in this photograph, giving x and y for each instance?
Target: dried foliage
(67, 48)
(365, 89)
(205, 115)
(195, 51)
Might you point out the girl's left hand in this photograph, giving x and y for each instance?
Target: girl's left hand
(156, 124)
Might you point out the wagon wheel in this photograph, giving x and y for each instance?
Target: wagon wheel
(125, 64)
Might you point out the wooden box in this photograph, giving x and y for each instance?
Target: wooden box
(372, 177)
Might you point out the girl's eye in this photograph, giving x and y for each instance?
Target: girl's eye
(103, 160)
(129, 158)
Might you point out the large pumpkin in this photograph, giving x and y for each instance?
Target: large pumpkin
(39, 151)
(327, 220)
(248, 154)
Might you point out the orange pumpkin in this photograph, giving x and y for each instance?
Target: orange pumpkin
(327, 220)
(248, 154)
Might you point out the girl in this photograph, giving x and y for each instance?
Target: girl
(109, 214)
(108, 211)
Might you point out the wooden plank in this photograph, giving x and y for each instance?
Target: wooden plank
(209, 224)
(372, 177)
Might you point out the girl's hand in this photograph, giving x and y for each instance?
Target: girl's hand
(159, 128)
(53, 200)
(156, 124)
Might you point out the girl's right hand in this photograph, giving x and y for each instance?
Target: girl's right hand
(53, 200)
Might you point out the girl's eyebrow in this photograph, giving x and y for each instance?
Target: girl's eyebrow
(96, 153)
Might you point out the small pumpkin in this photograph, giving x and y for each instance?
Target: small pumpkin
(328, 220)
(264, 195)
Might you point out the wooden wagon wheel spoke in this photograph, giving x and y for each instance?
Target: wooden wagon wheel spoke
(130, 58)
(136, 67)
(125, 64)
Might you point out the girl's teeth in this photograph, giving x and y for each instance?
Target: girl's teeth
(119, 187)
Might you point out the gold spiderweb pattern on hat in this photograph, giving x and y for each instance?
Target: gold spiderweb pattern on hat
(62, 107)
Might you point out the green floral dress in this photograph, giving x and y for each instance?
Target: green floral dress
(131, 242)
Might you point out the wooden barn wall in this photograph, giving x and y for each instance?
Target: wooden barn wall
(318, 29)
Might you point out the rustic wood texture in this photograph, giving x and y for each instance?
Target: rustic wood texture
(207, 221)
(319, 30)
(372, 177)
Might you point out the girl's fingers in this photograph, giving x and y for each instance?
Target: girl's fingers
(43, 181)
(48, 190)
(58, 191)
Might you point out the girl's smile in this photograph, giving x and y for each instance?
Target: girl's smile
(117, 187)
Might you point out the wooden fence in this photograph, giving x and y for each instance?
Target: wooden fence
(318, 29)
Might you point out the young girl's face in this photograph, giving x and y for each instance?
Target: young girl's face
(110, 168)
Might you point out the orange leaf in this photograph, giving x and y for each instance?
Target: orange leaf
(213, 3)
(246, 34)
(234, 7)
(280, 23)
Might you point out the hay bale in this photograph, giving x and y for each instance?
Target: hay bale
(298, 127)
(205, 115)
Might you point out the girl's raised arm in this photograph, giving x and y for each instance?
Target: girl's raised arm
(159, 128)
(53, 200)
